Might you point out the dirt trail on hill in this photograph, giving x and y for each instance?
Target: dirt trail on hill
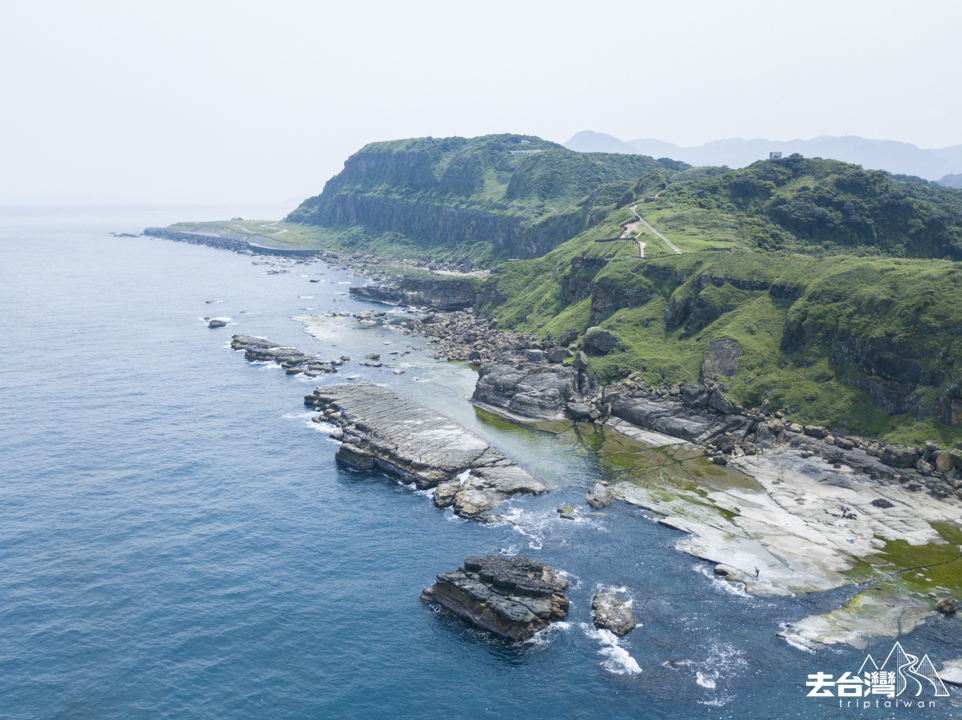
(657, 234)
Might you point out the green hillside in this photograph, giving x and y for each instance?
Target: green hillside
(484, 199)
(816, 206)
(833, 292)
(869, 345)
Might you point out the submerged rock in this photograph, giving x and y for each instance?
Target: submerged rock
(612, 611)
(511, 597)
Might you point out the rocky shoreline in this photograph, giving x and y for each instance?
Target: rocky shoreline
(538, 380)
(868, 482)
(380, 430)
(820, 504)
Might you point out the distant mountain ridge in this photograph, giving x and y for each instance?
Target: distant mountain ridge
(899, 158)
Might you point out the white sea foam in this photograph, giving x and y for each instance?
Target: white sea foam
(305, 297)
(622, 590)
(527, 524)
(723, 661)
(706, 682)
(792, 640)
(719, 583)
(545, 636)
(617, 660)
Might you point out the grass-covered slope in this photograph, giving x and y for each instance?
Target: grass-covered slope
(872, 345)
(837, 295)
(817, 207)
(483, 199)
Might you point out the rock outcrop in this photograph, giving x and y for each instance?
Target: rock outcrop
(612, 611)
(293, 360)
(235, 241)
(600, 496)
(437, 294)
(530, 391)
(511, 597)
(382, 431)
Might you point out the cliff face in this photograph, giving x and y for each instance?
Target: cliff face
(511, 235)
(519, 195)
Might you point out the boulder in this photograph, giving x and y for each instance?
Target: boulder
(612, 611)
(580, 361)
(484, 488)
(512, 597)
(600, 341)
(217, 323)
(764, 437)
(946, 606)
(600, 496)
(899, 456)
(581, 411)
(444, 493)
(720, 403)
(945, 461)
(568, 336)
(557, 355)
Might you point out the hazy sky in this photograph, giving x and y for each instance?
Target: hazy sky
(200, 102)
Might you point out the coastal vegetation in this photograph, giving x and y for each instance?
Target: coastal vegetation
(830, 291)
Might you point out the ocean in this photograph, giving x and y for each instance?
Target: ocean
(177, 540)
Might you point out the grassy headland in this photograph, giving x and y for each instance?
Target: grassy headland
(833, 292)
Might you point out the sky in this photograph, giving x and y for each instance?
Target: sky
(203, 101)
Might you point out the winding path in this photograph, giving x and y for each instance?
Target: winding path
(657, 234)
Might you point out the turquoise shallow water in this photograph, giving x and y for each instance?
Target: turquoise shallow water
(176, 540)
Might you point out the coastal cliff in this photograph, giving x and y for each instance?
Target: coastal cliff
(489, 198)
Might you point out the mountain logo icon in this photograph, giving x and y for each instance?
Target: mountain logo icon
(901, 675)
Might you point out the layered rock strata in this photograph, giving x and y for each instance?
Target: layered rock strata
(453, 294)
(382, 431)
(292, 360)
(511, 597)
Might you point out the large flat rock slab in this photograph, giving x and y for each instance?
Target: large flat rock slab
(380, 430)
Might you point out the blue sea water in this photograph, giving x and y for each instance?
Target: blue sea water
(177, 541)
